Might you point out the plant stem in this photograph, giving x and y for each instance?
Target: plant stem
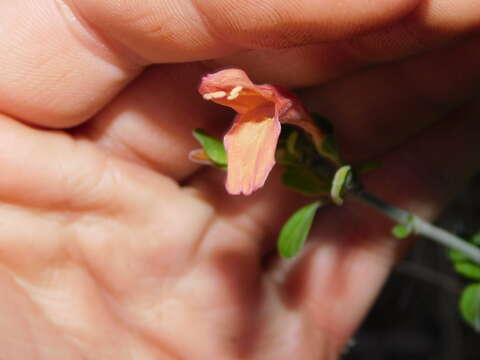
(420, 226)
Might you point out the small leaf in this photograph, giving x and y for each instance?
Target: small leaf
(283, 157)
(291, 142)
(329, 148)
(402, 231)
(339, 183)
(456, 256)
(468, 270)
(470, 305)
(304, 180)
(296, 229)
(213, 147)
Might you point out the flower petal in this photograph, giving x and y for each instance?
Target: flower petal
(299, 117)
(225, 79)
(233, 88)
(250, 146)
(289, 109)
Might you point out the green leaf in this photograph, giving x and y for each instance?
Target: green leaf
(470, 305)
(340, 181)
(291, 142)
(283, 157)
(213, 147)
(402, 231)
(456, 256)
(329, 148)
(296, 229)
(304, 180)
(468, 270)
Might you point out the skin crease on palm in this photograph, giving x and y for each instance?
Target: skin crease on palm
(114, 246)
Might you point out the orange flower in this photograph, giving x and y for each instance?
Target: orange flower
(252, 140)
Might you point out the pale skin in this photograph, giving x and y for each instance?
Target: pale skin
(114, 246)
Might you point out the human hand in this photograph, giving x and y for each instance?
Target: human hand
(104, 256)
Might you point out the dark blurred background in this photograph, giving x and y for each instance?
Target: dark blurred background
(416, 315)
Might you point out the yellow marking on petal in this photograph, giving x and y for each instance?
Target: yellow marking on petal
(250, 149)
(214, 95)
(235, 92)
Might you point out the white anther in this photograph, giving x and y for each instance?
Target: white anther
(214, 95)
(235, 92)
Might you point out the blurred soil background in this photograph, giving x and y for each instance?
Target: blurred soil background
(416, 316)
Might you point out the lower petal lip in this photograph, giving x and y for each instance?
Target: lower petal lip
(250, 146)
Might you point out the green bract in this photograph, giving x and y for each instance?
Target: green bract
(329, 149)
(456, 256)
(462, 263)
(402, 231)
(468, 269)
(340, 181)
(296, 229)
(212, 147)
(470, 305)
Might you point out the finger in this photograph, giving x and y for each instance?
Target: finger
(53, 71)
(54, 171)
(142, 123)
(203, 25)
(151, 121)
(40, 169)
(293, 67)
(66, 59)
(434, 23)
(378, 109)
(69, 192)
(337, 278)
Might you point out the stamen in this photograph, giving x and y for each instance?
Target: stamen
(214, 95)
(235, 92)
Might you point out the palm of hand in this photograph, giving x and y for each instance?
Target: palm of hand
(123, 262)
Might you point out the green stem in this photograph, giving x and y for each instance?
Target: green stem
(420, 226)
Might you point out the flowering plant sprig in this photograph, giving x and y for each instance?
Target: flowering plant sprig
(272, 126)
